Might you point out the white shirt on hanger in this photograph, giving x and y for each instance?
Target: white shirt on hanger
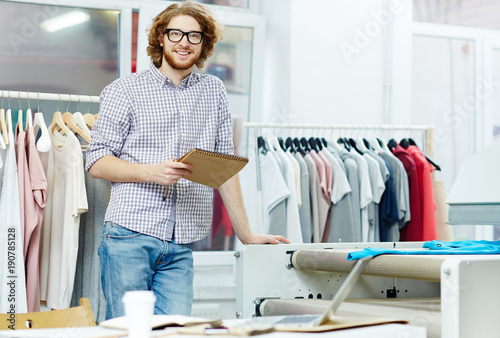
(67, 201)
(294, 231)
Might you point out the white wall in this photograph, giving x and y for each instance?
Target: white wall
(333, 56)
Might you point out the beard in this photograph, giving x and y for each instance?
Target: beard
(169, 57)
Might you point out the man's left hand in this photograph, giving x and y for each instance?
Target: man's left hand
(267, 239)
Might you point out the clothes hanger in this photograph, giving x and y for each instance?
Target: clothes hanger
(3, 125)
(29, 117)
(298, 146)
(404, 143)
(367, 144)
(324, 142)
(57, 121)
(335, 146)
(43, 143)
(68, 120)
(79, 120)
(345, 142)
(20, 115)
(281, 143)
(413, 143)
(89, 120)
(375, 145)
(7, 115)
(289, 145)
(312, 144)
(383, 144)
(360, 144)
(261, 143)
(305, 144)
(392, 144)
(9, 121)
(319, 144)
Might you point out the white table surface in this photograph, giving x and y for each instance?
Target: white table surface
(378, 331)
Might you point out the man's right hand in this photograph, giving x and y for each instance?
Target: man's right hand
(169, 172)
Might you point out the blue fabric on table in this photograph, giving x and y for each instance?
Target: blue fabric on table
(467, 247)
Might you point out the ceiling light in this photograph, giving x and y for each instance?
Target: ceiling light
(64, 21)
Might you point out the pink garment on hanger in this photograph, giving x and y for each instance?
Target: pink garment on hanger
(320, 165)
(328, 172)
(32, 185)
(38, 187)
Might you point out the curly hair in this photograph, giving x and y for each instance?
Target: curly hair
(212, 30)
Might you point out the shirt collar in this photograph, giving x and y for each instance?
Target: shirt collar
(190, 80)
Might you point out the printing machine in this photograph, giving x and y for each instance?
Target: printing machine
(453, 296)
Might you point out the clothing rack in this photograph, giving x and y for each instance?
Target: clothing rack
(14, 94)
(426, 130)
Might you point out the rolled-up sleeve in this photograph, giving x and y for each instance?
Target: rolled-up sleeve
(224, 140)
(113, 125)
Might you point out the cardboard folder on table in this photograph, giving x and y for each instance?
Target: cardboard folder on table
(210, 168)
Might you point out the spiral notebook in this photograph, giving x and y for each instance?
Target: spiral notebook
(211, 168)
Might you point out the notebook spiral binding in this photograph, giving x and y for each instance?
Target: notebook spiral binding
(215, 154)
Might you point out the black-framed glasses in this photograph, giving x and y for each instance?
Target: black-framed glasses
(176, 35)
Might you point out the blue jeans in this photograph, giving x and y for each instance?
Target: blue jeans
(134, 261)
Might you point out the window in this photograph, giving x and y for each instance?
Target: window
(57, 49)
(477, 13)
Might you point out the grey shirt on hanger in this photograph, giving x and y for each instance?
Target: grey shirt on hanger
(305, 210)
(352, 173)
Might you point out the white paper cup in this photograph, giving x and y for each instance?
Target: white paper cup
(139, 308)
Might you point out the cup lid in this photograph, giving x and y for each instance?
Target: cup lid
(139, 295)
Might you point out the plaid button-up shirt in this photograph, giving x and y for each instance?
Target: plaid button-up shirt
(144, 118)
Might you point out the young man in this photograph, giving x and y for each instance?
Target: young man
(146, 121)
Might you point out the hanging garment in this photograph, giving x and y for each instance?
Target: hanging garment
(386, 223)
(296, 171)
(274, 195)
(424, 170)
(341, 223)
(67, 201)
(12, 275)
(366, 194)
(35, 202)
(88, 268)
(294, 231)
(277, 215)
(305, 210)
(401, 185)
(388, 212)
(319, 206)
(378, 188)
(320, 167)
(328, 173)
(414, 229)
(326, 193)
(352, 173)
